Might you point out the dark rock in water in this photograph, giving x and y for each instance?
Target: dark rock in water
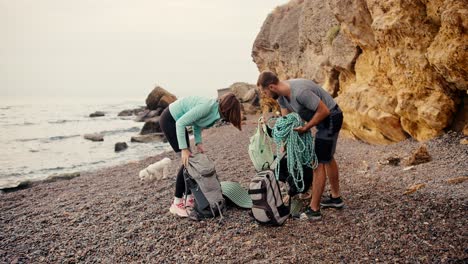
(147, 114)
(151, 126)
(159, 111)
(97, 114)
(142, 115)
(154, 137)
(151, 114)
(94, 137)
(130, 112)
(120, 146)
(159, 98)
(126, 112)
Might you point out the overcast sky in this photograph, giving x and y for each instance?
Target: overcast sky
(122, 48)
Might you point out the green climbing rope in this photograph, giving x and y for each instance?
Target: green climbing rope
(299, 148)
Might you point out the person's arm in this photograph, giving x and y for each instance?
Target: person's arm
(198, 139)
(197, 134)
(321, 113)
(312, 102)
(284, 111)
(188, 119)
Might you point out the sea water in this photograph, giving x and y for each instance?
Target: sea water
(44, 136)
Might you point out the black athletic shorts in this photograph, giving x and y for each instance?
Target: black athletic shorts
(327, 135)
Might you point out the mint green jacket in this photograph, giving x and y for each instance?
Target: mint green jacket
(195, 111)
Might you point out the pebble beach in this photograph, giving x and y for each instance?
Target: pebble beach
(110, 216)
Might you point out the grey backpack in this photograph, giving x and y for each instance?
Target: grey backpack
(201, 179)
(268, 207)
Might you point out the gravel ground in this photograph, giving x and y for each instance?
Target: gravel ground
(109, 216)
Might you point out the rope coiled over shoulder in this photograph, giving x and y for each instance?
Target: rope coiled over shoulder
(299, 148)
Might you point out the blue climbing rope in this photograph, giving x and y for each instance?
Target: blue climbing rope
(299, 148)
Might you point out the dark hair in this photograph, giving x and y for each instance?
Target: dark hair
(230, 109)
(266, 78)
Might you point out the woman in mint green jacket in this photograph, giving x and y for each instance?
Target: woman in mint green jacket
(199, 113)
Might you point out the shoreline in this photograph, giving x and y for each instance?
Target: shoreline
(108, 215)
(29, 183)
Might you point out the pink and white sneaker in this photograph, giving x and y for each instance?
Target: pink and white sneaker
(178, 209)
(190, 202)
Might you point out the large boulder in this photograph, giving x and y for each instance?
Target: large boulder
(397, 68)
(159, 98)
(151, 126)
(245, 92)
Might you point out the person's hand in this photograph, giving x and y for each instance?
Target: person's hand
(200, 148)
(185, 156)
(301, 130)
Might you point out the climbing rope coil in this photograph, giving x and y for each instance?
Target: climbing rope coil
(299, 148)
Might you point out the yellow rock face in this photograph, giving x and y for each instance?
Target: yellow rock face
(398, 68)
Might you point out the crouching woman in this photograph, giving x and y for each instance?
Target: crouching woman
(199, 113)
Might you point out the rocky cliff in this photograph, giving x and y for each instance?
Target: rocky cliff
(397, 68)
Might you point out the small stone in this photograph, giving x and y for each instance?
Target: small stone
(394, 161)
(464, 141)
(409, 168)
(414, 188)
(457, 180)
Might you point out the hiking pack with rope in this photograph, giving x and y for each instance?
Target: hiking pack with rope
(268, 206)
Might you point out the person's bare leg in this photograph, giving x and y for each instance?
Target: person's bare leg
(333, 178)
(318, 185)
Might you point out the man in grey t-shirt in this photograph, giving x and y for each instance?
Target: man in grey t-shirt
(317, 108)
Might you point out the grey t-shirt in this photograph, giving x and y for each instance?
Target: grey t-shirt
(305, 98)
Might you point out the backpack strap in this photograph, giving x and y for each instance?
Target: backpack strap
(184, 173)
(276, 161)
(258, 191)
(220, 213)
(265, 165)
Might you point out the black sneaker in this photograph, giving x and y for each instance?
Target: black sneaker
(332, 202)
(310, 214)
